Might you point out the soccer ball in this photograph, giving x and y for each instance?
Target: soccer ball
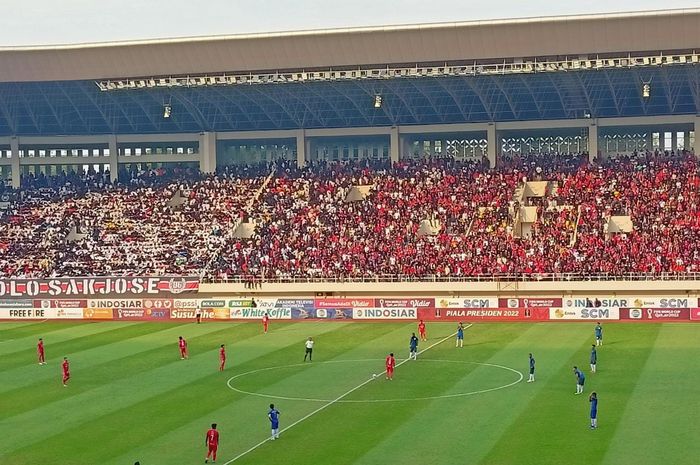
(374, 375)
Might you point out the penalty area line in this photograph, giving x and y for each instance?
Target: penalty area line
(339, 398)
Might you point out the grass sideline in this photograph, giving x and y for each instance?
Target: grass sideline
(132, 398)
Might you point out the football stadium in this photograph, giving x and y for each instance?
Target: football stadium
(358, 246)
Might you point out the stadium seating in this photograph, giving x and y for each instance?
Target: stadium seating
(155, 223)
(433, 219)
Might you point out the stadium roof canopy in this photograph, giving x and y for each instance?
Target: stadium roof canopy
(53, 89)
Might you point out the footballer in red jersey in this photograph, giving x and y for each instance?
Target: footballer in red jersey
(66, 371)
(265, 322)
(211, 440)
(182, 344)
(390, 365)
(40, 352)
(421, 331)
(222, 358)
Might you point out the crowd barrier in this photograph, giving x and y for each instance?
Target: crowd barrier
(168, 306)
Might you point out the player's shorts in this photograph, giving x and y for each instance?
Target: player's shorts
(600, 338)
(275, 425)
(532, 371)
(581, 382)
(460, 336)
(413, 349)
(309, 350)
(212, 448)
(389, 370)
(594, 414)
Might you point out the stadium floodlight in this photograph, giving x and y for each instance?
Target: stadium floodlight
(377, 101)
(167, 110)
(646, 90)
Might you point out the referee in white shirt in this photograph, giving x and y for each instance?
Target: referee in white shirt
(309, 348)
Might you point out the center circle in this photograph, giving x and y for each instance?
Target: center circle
(231, 386)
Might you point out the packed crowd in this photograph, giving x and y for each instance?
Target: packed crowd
(433, 218)
(154, 223)
(307, 229)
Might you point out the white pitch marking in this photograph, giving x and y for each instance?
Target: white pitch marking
(374, 401)
(340, 397)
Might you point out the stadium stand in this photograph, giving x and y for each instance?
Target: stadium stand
(307, 230)
(158, 222)
(430, 219)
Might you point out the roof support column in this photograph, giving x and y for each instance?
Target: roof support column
(696, 136)
(592, 141)
(394, 145)
(14, 153)
(301, 148)
(492, 144)
(113, 157)
(207, 152)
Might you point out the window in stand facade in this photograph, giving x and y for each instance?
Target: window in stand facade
(668, 141)
(544, 144)
(680, 140)
(625, 143)
(463, 149)
(460, 149)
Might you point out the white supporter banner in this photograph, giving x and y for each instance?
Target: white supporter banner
(383, 313)
(602, 313)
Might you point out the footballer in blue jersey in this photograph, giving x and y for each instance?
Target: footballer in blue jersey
(413, 347)
(593, 399)
(598, 334)
(531, 379)
(274, 416)
(594, 358)
(580, 379)
(460, 335)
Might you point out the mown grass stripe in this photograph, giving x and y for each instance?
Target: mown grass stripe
(127, 398)
(23, 349)
(242, 418)
(19, 330)
(562, 435)
(362, 426)
(160, 349)
(662, 410)
(90, 351)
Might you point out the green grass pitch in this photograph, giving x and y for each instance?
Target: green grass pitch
(131, 397)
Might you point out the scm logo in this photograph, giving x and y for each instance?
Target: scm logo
(595, 313)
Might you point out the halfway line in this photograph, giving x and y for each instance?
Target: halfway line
(324, 406)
